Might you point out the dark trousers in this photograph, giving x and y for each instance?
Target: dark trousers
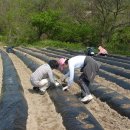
(103, 54)
(84, 83)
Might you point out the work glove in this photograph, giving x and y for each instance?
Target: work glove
(66, 88)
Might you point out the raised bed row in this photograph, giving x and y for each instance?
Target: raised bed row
(13, 106)
(104, 60)
(68, 105)
(113, 62)
(111, 78)
(113, 70)
(114, 59)
(117, 71)
(77, 52)
(115, 100)
(120, 57)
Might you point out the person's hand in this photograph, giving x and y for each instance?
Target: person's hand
(63, 79)
(57, 83)
(66, 88)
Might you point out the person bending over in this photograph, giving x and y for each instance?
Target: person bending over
(102, 51)
(89, 68)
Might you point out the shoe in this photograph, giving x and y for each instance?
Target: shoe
(36, 89)
(66, 88)
(41, 92)
(87, 98)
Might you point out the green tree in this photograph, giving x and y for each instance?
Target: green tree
(108, 14)
(14, 20)
(46, 22)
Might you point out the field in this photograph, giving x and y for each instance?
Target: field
(110, 107)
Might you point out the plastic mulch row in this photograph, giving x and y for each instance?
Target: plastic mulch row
(101, 73)
(117, 101)
(13, 106)
(111, 69)
(75, 115)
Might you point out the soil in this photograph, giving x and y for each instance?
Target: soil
(42, 113)
(106, 116)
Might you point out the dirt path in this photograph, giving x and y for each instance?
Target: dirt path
(107, 117)
(41, 113)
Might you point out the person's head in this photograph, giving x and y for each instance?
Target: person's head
(100, 47)
(90, 51)
(53, 64)
(63, 63)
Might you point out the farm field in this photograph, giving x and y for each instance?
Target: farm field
(111, 90)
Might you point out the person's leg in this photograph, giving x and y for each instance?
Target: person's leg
(40, 86)
(43, 84)
(84, 83)
(36, 89)
(35, 85)
(102, 54)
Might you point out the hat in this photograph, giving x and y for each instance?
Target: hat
(61, 63)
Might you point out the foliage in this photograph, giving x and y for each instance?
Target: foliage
(109, 14)
(73, 21)
(120, 42)
(50, 22)
(58, 44)
(45, 22)
(14, 22)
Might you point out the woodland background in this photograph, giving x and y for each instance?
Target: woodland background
(73, 24)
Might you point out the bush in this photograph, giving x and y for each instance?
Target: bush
(73, 32)
(58, 44)
(120, 42)
(45, 22)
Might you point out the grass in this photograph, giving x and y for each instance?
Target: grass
(58, 44)
(120, 50)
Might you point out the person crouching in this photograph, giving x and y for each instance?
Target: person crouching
(43, 76)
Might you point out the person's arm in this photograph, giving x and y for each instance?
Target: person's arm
(71, 77)
(106, 51)
(51, 76)
(66, 75)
